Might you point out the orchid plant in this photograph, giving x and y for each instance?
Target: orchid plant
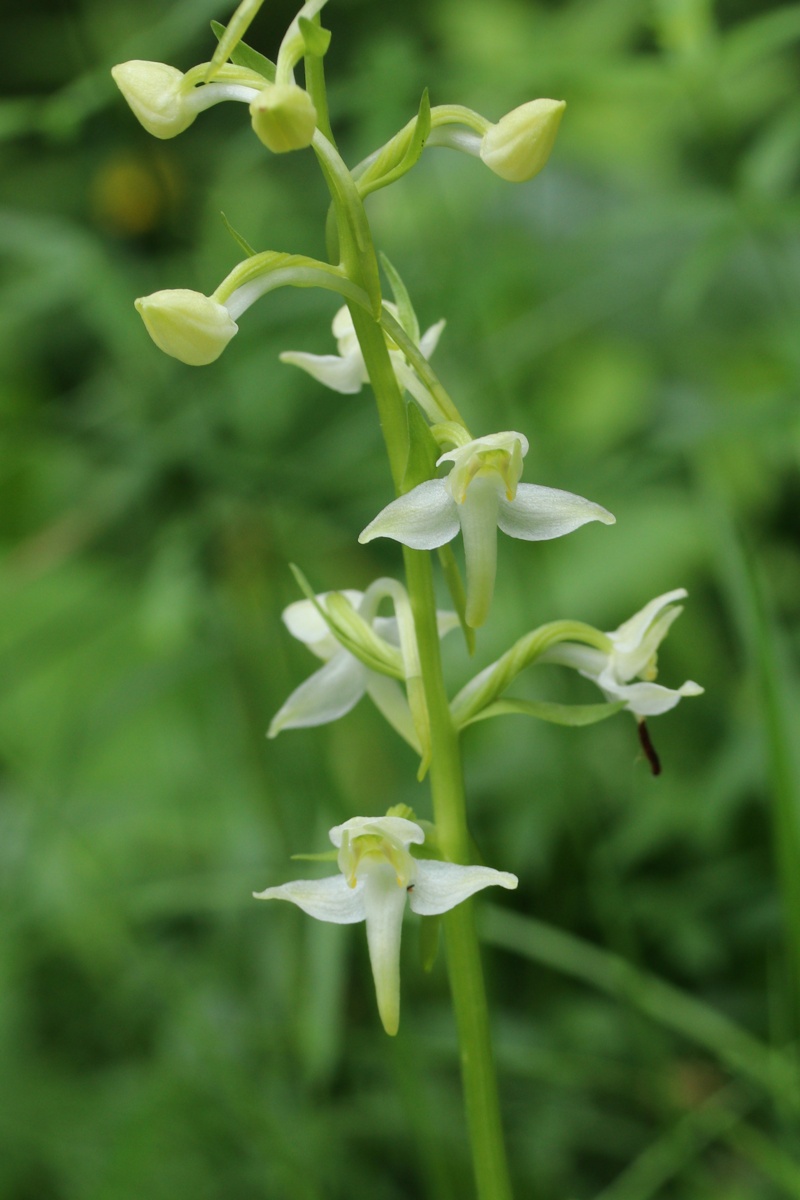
(446, 480)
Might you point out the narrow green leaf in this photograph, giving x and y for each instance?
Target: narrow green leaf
(233, 33)
(323, 856)
(244, 55)
(543, 710)
(405, 309)
(237, 237)
(693, 1019)
(315, 39)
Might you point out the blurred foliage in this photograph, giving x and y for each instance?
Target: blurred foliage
(635, 312)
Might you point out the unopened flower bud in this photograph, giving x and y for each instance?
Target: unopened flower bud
(153, 91)
(187, 325)
(284, 117)
(519, 145)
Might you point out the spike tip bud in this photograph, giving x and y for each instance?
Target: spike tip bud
(153, 92)
(187, 325)
(519, 145)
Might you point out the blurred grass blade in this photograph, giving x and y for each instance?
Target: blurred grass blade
(685, 1141)
(744, 584)
(734, 1047)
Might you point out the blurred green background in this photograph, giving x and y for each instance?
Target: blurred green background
(635, 312)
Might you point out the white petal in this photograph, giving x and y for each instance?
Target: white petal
(345, 375)
(540, 513)
(384, 904)
(423, 519)
(440, 886)
(342, 323)
(305, 623)
(326, 899)
(391, 701)
(430, 338)
(478, 518)
(397, 829)
(410, 381)
(634, 659)
(630, 633)
(646, 699)
(327, 695)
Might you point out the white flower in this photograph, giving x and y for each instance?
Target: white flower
(481, 494)
(338, 686)
(378, 875)
(347, 372)
(627, 670)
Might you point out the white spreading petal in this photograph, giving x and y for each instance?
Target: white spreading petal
(440, 886)
(390, 700)
(325, 696)
(430, 338)
(326, 899)
(645, 699)
(630, 634)
(424, 518)
(344, 375)
(640, 660)
(540, 513)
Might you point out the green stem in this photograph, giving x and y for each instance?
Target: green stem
(447, 789)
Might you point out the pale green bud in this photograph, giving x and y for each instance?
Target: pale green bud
(187, 325)
(284, 117)
(154, 92)
(519, 145)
